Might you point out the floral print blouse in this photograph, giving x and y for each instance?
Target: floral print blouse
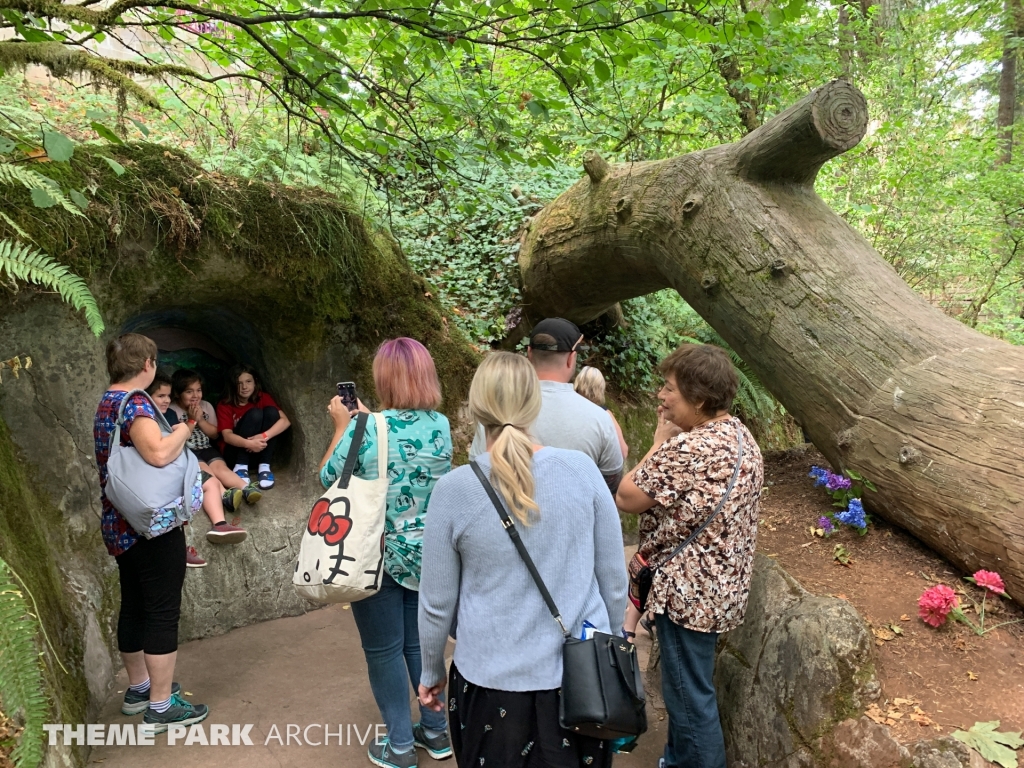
(419, 452)
(704, 587)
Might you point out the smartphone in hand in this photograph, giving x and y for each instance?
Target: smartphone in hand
(347, 393)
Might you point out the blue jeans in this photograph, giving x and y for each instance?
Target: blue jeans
(390, 636)
(687, 667)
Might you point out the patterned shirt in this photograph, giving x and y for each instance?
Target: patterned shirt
(198, 440)
(704, 587)
(118, 535)
(419, 452)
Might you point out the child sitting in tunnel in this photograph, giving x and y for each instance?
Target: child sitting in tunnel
(215, 496)
(250, 422)
(187, 403)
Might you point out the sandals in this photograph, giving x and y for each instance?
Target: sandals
(647, 624)
(630, 636)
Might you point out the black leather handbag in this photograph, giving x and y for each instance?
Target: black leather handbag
(602, 691)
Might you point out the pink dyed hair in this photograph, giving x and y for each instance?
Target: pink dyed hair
(405, 376)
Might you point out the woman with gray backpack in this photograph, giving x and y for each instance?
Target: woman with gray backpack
(149, 486)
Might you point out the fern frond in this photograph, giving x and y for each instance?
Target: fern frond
(29, 179)
(21, 678)
(26, 177)
(25, 263)
(14, 225)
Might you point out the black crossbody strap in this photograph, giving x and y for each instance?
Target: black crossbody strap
(513, 534)
(713, 515)
(353, 450)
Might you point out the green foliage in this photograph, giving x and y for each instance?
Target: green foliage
(21, 262)
(995, 746)
(656, 325)
(45, 192)
(395, 86)
(465, 240)
(21, 679)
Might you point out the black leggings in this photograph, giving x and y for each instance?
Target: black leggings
(152, 574)
(256, 421)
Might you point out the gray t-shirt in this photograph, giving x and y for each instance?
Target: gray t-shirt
(568, 420)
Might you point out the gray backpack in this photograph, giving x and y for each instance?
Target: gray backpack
(153, 500)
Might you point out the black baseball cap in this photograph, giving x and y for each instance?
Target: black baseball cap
(566, 335)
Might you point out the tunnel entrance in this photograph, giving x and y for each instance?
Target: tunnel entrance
(212, 341)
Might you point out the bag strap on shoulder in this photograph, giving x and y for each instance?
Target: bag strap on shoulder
(353, 449)
(513, 534)
(357, 442)
(721, 503)
(161, 420)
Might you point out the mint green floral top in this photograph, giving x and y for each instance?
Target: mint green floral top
(419, 452)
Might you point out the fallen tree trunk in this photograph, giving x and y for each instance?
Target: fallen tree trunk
(929, 410)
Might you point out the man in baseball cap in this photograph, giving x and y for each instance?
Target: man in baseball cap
(555, 335)
(566, 420)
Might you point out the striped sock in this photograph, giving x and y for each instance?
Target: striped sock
(142, 687)
(161, 706)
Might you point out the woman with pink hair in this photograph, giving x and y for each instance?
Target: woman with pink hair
(419, 452)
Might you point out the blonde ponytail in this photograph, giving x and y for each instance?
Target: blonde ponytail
(505, 398)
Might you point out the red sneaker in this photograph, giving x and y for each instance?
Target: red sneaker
(226, 534)
(193, 560)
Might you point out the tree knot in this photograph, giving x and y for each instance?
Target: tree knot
(909, 455)
(624, 207)
(693, 204)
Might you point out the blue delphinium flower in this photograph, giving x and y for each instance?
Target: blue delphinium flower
(820, 476)
(854, 515)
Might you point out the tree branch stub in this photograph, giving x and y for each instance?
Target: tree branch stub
(597, 167)
(793, 146)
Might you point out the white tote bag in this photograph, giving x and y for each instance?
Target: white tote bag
(342, 551)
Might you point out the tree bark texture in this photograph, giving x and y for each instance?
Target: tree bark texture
(929, 410)
(1006, 112)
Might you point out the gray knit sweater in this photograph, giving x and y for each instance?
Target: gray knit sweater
(507, 638)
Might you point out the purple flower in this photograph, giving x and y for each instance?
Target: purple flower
(826, 525)
(836, 482)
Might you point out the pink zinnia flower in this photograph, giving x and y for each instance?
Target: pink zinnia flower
(935, 604)
(991, 581)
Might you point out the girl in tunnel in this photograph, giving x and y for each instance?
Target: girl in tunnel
(187, 403)
(250, 421)
(216, 498)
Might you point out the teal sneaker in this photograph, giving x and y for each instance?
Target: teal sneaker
(381, 754)
(439, 747)
(136, 703)
(180, 712)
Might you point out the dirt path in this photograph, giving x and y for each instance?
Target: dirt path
(300, 671)
(932, 680)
